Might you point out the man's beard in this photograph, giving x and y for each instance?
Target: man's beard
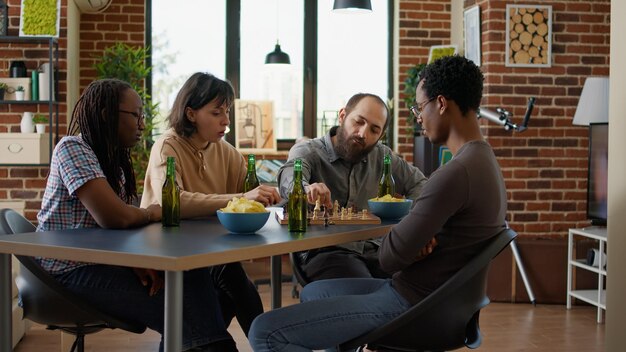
(351, 148)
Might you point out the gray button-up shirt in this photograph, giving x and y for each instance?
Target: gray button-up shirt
(350, 184)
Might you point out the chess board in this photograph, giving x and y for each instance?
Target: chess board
(355, 219)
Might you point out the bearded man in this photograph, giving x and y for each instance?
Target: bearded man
(346, 165)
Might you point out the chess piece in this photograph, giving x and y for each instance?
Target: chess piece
(364, 214)
(317, 204)
(350, 213)
(314, 214)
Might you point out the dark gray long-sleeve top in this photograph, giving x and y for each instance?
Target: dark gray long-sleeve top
(350, 184)
(463, 205)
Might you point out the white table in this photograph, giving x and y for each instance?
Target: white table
(195, 244)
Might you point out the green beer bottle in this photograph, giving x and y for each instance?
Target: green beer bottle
(170, 196)
(251, 181)
(387, 185)
(297, 206)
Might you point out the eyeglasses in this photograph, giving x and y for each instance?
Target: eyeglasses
(139, 117)
(417, 109)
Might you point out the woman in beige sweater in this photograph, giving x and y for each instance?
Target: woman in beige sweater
(209, 172)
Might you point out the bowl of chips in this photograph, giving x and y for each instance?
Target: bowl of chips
(388, 207)
(243, 216)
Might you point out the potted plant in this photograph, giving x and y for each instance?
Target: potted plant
(410, 84)
(128, 63)
(19, 93)
(425, 154)
(3, 88)
(40, 123)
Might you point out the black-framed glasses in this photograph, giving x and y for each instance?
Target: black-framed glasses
(417, 109)
(139, 117)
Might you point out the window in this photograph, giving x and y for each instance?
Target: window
(262, 24)
(185, 41)
(352, 57)
(333, 56)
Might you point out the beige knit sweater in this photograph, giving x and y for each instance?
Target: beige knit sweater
(208, 175)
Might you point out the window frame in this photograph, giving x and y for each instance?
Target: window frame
(309, 101)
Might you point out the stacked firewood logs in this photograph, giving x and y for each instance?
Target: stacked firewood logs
(528, 33)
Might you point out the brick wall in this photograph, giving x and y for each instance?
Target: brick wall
(422, 23)
(546, 166)
(123, 21)
(21, 183)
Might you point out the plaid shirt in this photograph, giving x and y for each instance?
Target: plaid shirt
(73, 164)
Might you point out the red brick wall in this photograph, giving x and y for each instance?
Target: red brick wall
(20, 183)
(123, 21)
(545, 167)
(423, 23)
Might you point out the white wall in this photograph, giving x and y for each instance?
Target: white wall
(616, 256)
(73, 59)
(456, 25)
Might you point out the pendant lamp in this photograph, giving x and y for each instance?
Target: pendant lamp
(277, 57)
(352, 6)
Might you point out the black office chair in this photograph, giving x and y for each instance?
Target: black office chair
(47, 302)
(296, 267)
(445, 320)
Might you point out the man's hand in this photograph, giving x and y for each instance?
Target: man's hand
(267, 195)
(150, 277)
(319, 190)
(427, 249)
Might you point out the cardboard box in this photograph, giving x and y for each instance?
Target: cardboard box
(13, 83)
(24, 148)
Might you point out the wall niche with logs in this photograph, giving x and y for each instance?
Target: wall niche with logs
(529, 35)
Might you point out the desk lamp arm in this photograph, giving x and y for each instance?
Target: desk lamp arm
(503, 117)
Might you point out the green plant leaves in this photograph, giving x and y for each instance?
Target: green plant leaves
(410, 85)
(128, 63)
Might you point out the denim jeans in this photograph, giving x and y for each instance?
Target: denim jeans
(332, 312)
(117, 291)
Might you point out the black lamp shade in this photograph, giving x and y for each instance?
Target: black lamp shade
(277, 57)
(351, 5)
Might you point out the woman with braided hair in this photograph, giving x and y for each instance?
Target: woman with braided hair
(92, 184)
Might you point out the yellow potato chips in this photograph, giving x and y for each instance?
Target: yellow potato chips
(243, 205)
(387, 198)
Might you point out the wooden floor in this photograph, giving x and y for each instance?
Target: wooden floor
(505, 327)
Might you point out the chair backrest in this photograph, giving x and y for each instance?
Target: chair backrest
(446, 319)
(296, 266)
(44, 299)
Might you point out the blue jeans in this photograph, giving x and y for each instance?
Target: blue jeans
(333, 311)
(118, 291)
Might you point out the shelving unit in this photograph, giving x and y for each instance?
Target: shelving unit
(53, 105)
(596, 297)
